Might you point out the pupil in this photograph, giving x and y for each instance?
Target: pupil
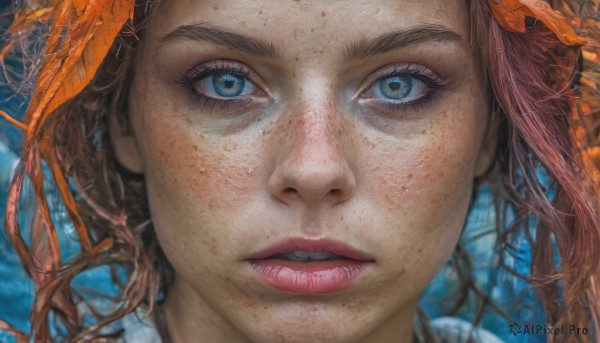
(395, 85)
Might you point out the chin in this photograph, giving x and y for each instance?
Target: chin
(301, 321)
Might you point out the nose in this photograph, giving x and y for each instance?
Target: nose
(312, 168)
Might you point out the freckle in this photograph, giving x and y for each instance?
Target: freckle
(423, 132)
(195, 147)
(260, 12)
(410, 176)
(215, 7)
(323, 14)
(312, 30)
(297, 59)
(389, 199)
(211, 205)
(213, 248)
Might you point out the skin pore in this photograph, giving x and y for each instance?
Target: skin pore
(253, 122)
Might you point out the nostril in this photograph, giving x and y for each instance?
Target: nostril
(289, 190)
(335, 191)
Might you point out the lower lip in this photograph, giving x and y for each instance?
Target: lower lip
(308, 277)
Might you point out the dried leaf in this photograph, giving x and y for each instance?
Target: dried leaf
(511, 15)
(69, 68)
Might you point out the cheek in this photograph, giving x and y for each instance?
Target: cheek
(423, 186)
(184, 168)
(431, 176)
(193, 186)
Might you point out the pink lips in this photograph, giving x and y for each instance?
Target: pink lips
(314, 277)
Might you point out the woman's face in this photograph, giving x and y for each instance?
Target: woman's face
(309, 165)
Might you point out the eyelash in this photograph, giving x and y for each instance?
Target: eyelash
(202, 71)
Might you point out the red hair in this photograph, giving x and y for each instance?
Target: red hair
(532, 77)
(536, 105)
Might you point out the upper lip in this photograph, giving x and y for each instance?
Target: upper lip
(312, 245)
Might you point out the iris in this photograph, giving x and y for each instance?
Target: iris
(396, 87)
(228, 85)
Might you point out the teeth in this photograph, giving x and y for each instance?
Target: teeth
(305, 256)
(302, 254)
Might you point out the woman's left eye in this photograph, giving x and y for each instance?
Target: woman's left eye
(403, 87)
(399, 88)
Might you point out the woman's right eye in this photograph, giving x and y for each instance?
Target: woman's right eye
(225, 85)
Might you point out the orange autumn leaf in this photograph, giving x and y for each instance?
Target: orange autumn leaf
(92, 28)
(511, 15)
(69, 66)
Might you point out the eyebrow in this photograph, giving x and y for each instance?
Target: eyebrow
(237, 41)
(368, 47)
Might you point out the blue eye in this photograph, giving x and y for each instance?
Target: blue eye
(224, 85)
(400, 88)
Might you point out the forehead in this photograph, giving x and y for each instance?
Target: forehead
(321, 24)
